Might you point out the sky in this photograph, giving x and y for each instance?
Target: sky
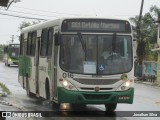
(53, 9)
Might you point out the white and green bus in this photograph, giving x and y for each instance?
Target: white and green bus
(78, 61)
(11, 54)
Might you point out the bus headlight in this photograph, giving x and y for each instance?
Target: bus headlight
(67, 85)
(126, 85)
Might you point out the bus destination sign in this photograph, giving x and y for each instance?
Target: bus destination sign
(95, 25)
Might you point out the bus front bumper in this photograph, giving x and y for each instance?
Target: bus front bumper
(67, 96)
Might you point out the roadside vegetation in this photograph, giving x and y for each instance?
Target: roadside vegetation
(1, 52)
(4, 88)
(148, 34)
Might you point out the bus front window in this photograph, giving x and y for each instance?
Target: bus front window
(95, 55)
(14, 52)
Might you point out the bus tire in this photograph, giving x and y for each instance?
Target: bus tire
(47, 89)
(29, 94)
(111, 106)
(8, 65)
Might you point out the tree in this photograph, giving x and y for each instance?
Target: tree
(26, 24)
(1, 51)
(140, 43)
(155, 12)
(148, 34)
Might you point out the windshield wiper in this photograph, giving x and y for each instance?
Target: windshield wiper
(113, 45)
(83, 43)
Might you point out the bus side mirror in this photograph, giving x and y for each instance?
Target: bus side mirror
(57, 39)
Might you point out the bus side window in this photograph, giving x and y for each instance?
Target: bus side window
(49, 42)
(29, 44)
(33, 43)
(44, 42)
(21, 44)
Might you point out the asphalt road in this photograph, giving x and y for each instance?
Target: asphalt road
(146, 100)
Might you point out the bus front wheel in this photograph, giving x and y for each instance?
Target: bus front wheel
(111, 106)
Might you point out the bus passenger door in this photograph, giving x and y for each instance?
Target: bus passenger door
(54, 66)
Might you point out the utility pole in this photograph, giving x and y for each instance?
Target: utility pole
(12, 39)
(139, 21)
(141, 44)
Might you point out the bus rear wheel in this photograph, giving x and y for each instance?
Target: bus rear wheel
(47, 90)
(111, 106)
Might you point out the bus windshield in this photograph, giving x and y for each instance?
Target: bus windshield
(13, 52)
(95, 55)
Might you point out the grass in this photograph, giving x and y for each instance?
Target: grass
(4, 88)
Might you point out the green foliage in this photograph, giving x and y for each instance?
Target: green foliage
(4, 88)
(1, 52)
(155, 12)
(26, 24)
(150, 56)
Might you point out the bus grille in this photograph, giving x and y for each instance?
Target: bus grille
(98, 96)
(96, 81)
(83, 88)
